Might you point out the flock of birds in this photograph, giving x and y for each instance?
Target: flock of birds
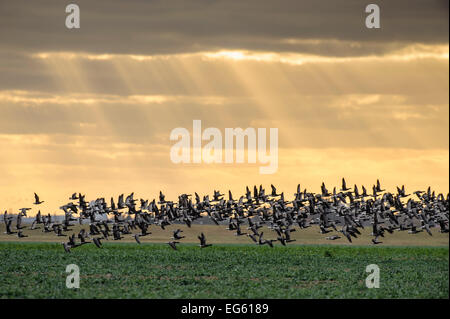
(345, 211)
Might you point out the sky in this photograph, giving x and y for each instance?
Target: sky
(91, 110)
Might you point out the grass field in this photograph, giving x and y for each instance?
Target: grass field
(125, 270)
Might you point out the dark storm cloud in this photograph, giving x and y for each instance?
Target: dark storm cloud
(158, 27)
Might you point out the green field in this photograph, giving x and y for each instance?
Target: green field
(125, 270)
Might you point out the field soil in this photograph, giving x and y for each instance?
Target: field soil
(218, 234)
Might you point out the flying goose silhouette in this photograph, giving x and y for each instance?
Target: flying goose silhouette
(386, 212)
(176, 234)
(36, 200)
(97, 241)
(173, 244)
(344, 186)
(202, 239)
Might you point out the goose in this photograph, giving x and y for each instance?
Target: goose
(33, 225)
(202, 239)
(282, 240)
(414, 230)
(176, 234)
(427, 228)
(353, 209)
(323, 230)
(356, 192)
(66, 247)
(344, 187)
(287, 235)
(21, 235)
(173, 244)
(23, 211)
(252, 238)
(36, 200)
(72, 240)
(344, 231)
(97, 242)
(274, 191)
(162, 198)
(364, 192)
(8, 228)
(402, 192)
(325, 192)
(262, 241)
(378, 187)
(73, 197)
(238, 231)
(375, 241)
(443, 226)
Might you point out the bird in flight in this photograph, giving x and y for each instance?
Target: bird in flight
(202, 239)
(36, 200)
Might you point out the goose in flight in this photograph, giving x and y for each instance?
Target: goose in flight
(346, 232)
(23, 212)
(202, 239)
(162, 198)
(253, 238)
(238, 230)
(262, 241)
(176, 234)
(173, 244)
(443, 226)
(8, 227)
(36, 200)
(274, 191)
(344, 187)
(287, 235)
(73, 197)
(402, 192)
(66, 247)
(97, 242)
(414, 230)
(323, 230)
(324, 190)
(282, 240)
(217, 196)
(378, 187)
(427, 228)
(375, 241)
(350, 208)
(21, 235)
(136, 238)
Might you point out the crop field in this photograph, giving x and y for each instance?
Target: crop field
(127, 270)
(219, 235)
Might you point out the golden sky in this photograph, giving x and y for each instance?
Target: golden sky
(91, 110)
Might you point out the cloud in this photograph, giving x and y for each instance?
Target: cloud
(414, 70)
(91, 110)
(320, 121)
(161, 27)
